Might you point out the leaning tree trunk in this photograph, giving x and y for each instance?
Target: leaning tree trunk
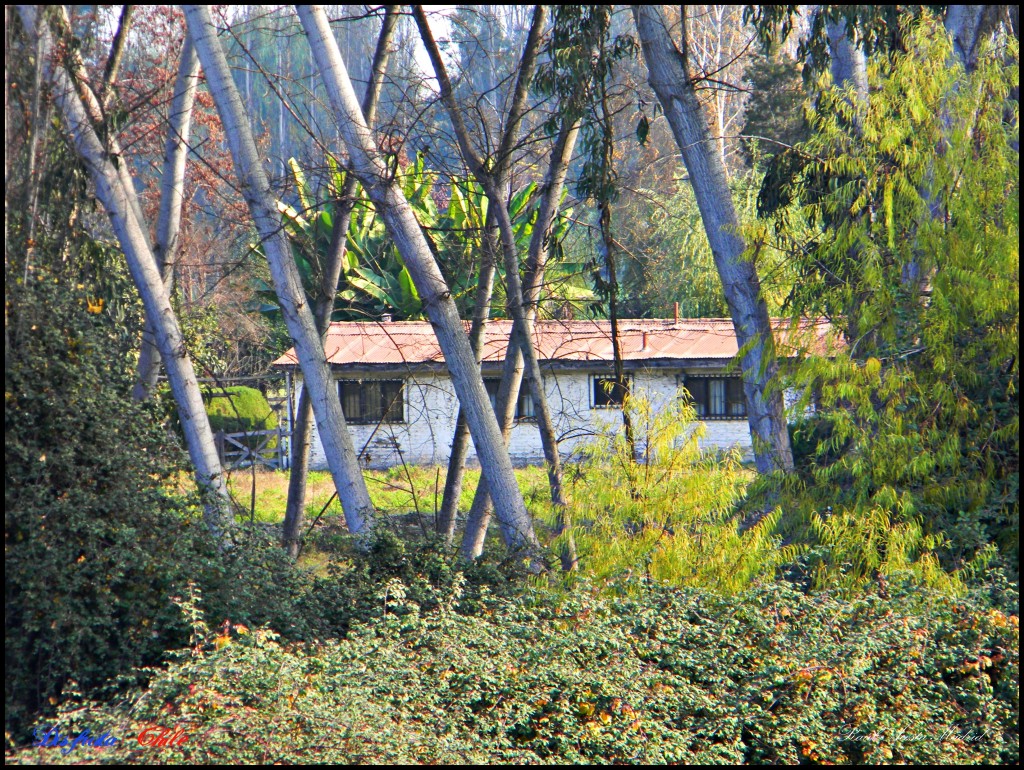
(172, 195)
(517, 527)
(446, 517)
(478, 519)
(502, 166)
(499, 207)
(255, 187)
(302, 429)
(668, 75)
(130, 231)
(75, 67)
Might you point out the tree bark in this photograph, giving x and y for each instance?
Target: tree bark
(479, 516)
(671, 82)
(485, 282)
(517, 528)
(255, 187)
(848, 63)
(75, 67)
(456, 471)
(967, 25)
(302, 428)
(130, 230)
(172, 195)
(491, 183)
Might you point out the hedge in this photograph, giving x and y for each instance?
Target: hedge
(238, 409)
(680, 676)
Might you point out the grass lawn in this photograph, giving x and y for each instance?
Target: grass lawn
(395, 492)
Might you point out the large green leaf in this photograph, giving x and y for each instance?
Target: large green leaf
(301, 186)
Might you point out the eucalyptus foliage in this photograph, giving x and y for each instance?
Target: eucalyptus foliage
(905, 235)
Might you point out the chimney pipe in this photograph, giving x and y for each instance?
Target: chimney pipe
(385, 318)
(677, 313)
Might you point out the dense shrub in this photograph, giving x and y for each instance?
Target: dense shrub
(95, 533)
(913, 461)
(238, 409)
(674, 515)
(667, 675)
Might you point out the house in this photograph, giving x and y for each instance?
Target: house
(400, 404)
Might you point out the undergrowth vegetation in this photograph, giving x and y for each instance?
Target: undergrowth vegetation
(659, 676)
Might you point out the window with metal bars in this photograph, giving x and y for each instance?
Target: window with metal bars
(607, 392)
(524, 406)
(717, 398)
(372, 401)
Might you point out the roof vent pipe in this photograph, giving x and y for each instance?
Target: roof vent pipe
(385, 318)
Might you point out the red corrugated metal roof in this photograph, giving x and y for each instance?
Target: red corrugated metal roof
(397, 342)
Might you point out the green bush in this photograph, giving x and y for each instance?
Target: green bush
(238, 409)
(674, 514)
(663, 676)
(96, 535)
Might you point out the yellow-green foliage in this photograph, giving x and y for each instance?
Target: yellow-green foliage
(909, 243)
(866, 543)
(671, 514)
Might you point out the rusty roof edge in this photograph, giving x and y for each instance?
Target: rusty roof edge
(697, 338)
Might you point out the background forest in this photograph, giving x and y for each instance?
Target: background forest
(191, 191)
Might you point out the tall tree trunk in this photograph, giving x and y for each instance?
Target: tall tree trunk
(671, 82)
(485, 282)
(172, 195)
(478, 519)
(255, 187)
(967, 26)
(848, 64)
(499, 206)
(456, 472)
(75, 67)
(302, 427)
(517, 528)
(130, 230)
(608, 243)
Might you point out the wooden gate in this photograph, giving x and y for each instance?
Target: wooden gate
(241, 450)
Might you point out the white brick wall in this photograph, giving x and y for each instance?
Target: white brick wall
(431, 408)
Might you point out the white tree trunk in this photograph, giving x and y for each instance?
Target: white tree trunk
(302, 429)
(671, 82)
(966, 25)
(79, 77)
(172, 195)
(117, 200)
(517, 527)
(255, 187)
(849, 66)
(522, 336)
(485, 281)
(479, 515)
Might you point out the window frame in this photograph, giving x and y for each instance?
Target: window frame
(492, 386)
(733, 402)
(593, 381)
(385, 414)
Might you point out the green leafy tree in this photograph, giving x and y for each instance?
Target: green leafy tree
(916, 439)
